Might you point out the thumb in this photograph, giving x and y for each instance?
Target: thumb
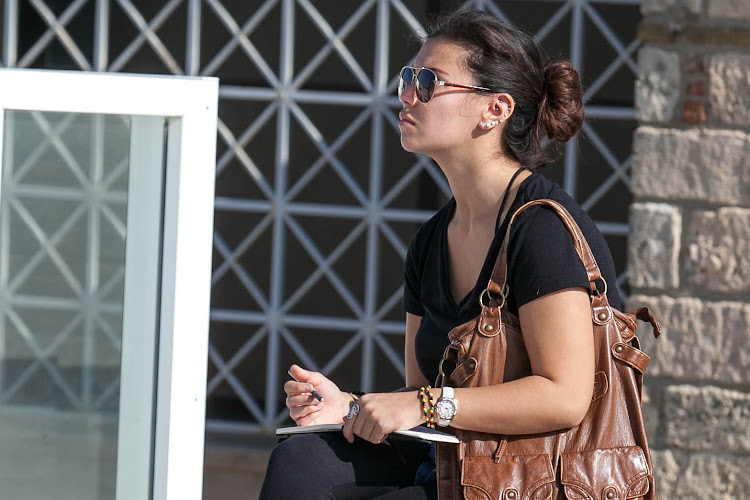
(301, 374)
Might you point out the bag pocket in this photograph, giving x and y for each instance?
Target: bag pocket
(611, 474)
(513, 477)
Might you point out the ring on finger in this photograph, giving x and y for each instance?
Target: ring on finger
(353, 411)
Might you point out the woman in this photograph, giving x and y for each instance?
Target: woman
(478, 101)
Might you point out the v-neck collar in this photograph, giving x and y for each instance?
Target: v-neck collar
(499, 231)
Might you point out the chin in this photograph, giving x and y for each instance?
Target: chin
(409, 145)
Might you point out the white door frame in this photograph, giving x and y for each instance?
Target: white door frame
(191, 107)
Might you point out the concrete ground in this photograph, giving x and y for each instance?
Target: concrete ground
(234, 471)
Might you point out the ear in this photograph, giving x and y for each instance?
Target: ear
(499, 109)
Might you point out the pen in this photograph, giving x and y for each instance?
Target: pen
(314, 392)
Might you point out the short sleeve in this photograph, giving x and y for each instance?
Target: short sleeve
(541, 257)
(411, 301)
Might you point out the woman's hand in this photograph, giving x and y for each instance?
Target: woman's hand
(382, 413)
(304, 408)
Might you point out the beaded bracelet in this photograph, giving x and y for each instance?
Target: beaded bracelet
(428, 406)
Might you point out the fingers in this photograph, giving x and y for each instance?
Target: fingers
(349, 419)
(368, 430)
(292, 387)
(358, 422)
(296, 400)
(305, 415)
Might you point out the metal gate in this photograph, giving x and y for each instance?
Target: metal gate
(315, 200)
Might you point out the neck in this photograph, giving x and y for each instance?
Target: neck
(478, 187)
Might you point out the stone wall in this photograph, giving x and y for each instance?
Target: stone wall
(689, 250)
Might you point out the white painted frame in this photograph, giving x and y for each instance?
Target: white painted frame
(191, 107)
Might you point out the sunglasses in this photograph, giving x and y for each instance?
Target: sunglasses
(426, 81)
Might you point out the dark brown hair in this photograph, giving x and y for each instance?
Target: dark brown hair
(547, 94)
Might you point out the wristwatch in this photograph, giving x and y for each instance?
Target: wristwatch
(446, 407)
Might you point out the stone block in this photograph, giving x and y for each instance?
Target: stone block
(657, 89)
(693, 6)
(729, 9)
(700, 475)
(650, 407)
(729, 86)
(701, 340)
(707, 419)
(710, 166)
(654, 245)
(649, 7)
(718, 246)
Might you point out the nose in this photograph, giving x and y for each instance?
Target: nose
(409, 95)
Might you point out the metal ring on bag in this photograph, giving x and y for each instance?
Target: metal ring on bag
(595, 292)
(505, 292)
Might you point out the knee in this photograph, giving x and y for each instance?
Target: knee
(299, 453)
(300, 464)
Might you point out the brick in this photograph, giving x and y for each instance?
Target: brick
(693, 113)
(729, 88)
(700, 475)
(696, 89)
(699, 165)
(654, 245)
(718, 245)
(701, 340)
(694, 64)
(658, 86)
(729, 9)
(722, 34)
(707, 419)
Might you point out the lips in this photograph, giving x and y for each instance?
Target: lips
(405, 118)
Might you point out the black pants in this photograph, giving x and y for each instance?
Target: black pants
(326, 466)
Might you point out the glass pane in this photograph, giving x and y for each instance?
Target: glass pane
(63, 221)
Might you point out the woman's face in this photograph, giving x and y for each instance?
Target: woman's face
(448, 120)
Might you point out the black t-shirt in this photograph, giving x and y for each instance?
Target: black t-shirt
(541, 260)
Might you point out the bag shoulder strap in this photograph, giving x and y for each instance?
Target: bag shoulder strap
(497, 285)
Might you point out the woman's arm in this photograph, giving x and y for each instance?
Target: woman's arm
(414, 377)
(558, 334)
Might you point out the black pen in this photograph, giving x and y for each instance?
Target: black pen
(314, 392)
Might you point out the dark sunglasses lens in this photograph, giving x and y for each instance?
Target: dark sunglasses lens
(405, 79)
(425, 84)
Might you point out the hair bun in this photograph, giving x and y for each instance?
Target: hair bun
(561, 109)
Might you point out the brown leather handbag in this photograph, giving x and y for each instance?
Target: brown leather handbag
(605, 457)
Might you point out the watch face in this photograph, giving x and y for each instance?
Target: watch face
(446, 408)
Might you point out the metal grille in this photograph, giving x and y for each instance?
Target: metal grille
(62, 250)
(315, 200)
